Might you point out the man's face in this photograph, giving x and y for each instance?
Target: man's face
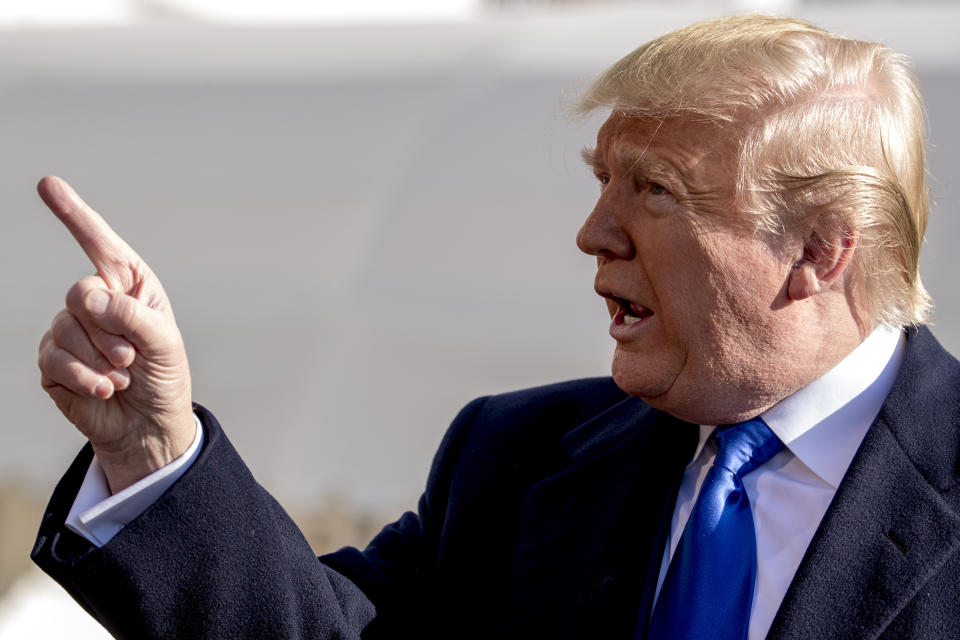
(693, 292)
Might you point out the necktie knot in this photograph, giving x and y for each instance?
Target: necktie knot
(744, 446)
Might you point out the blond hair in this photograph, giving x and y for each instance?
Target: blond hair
(825, 125)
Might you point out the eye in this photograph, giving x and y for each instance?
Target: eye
(658, 189)
(603, 179)
(645, 184)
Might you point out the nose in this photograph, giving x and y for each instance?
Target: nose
(602, 235)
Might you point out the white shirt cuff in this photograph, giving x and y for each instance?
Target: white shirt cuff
(98, 516)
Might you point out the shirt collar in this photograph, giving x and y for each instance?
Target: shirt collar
(824, 423)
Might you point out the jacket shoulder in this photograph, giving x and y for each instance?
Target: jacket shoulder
(519, 433)
(563, 404)
(923, 409)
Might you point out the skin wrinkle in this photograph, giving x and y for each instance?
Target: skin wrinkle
(676, 172)
(723, 326)
(806, 102)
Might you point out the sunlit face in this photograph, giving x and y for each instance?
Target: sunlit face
(693, 292)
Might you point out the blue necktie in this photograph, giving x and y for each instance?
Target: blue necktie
(708, 589)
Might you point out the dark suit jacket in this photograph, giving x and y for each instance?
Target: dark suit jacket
(544, 516)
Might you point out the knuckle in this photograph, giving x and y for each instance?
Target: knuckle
(63, 325)
(69, 336)
(47, 353)
(93, 359)
(130, 310)
(51, 365)
(75, 375)
(76, 293)
(109, 351)
(102, 338)
(98, 363)
(56, 360)
(89, 349)
(126, 315)
(120, 378)
(123, 353)
(44, 341)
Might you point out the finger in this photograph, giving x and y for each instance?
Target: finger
(62, 397)
(67, 333)
(101, 244)
(61, 368)
(122, 315)
(116, 349)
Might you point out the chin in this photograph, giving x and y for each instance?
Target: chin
(639, 377)
(705, 403)
(663, 388)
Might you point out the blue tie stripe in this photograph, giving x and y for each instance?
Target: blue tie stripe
(709, 585)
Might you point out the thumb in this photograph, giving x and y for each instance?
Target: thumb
(123, 315)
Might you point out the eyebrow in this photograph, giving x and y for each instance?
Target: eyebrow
(590, 156)
(634, 157)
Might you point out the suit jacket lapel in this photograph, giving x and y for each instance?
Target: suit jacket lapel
(888, 529)
(591, 536)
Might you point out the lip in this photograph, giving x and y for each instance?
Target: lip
(620, 327)
(621, 331)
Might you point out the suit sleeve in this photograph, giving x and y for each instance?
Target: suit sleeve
(217, 557)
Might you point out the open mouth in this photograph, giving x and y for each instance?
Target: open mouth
(630, 313)
(627, 318)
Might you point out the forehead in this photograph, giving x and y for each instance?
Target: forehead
(688, 147)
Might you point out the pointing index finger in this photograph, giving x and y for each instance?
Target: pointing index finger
(103, 246)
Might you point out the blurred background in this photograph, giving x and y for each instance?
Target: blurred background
(363, 212)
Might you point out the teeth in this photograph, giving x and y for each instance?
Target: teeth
(629, 319)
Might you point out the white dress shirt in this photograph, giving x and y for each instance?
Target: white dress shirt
(98, 516)
(822, 426)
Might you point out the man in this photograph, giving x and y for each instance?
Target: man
(762, 204)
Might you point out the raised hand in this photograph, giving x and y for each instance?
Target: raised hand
(113, 360)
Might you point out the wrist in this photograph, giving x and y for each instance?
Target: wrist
(145, 452)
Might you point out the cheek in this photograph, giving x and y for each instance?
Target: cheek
(748, 288)
(699, 298)
(739, 267)
(757, 283)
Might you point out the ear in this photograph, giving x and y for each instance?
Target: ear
(827, 253)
